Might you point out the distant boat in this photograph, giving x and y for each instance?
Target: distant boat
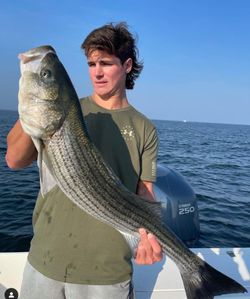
(184, 120)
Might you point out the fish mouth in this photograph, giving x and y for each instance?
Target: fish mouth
(35, 53)
(31, 59)
(27, 58)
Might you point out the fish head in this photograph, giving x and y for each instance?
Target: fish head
(44, 94)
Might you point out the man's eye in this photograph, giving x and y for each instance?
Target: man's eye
(105, 63)
(45, 74)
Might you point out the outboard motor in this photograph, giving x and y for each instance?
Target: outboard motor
(179, 204)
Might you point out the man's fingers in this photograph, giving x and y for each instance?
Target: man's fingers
(156, 248)
(143, 235)
(140, 254)
(146, 245)
(149, 250)
(144, 251)
(143, 256)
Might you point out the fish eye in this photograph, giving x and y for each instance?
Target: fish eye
(45, 73)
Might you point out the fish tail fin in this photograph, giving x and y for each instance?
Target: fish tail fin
(208, 282)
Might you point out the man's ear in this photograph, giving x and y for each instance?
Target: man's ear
(128, 65)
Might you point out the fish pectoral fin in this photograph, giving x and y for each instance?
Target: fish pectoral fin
(47, 181)
(39, 147)
(132, 241)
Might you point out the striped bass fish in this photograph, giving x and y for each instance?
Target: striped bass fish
(50, 113)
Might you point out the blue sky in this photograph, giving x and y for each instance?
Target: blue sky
(196, 53)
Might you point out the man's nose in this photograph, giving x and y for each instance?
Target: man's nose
(98, 71)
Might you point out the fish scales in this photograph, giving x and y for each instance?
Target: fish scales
(86, 191)
(81, 166)
(111, 193)
(106, 191)
(86, 179)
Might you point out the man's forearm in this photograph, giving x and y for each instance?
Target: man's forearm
(145, 190)
(21, 151)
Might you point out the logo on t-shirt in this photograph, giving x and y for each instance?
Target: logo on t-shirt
(128, 132)
(154, 169)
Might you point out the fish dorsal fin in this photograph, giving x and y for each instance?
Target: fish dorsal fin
(155, 207)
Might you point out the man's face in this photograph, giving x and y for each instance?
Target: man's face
(107, 74)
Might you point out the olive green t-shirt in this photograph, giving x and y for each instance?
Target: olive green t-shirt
(68, 244)
(126, 139)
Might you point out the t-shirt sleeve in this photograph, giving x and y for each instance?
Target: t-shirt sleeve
(149, 157)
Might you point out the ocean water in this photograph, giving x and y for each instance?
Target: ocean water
(213, 158)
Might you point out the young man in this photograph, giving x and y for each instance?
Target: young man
(73, 255)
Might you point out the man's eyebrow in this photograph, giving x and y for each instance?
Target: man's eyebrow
(104, 59)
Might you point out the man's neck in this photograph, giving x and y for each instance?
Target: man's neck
(111, 103)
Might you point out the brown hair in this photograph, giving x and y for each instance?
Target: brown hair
(115, 40)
